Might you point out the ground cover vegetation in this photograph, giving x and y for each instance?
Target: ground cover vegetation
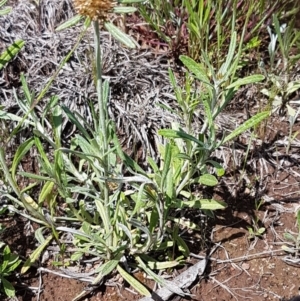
(92, 200)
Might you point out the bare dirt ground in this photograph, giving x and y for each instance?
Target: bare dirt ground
(242, 267)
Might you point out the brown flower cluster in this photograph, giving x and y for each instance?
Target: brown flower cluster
(95, 9)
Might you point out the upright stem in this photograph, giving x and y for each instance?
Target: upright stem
(102, 130)
(101, 103)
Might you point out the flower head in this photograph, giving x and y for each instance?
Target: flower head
(95, 9)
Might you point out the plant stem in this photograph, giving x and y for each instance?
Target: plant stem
(102, 109)
(102, 130)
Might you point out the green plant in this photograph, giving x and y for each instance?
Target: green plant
(218, 84)
(113, 208)
(211, 23)
(115, 221)
(215, 91)
(189, 146)
(282, 82)
(294, 246)
(8, 263)
(193, 27)
(256, 230)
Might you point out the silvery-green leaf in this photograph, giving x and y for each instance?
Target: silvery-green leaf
(287, 249)
(71, 22)
(247, 80)
(253, 121)
(204, 204)
(5, 11)
(120, 35)
(124, 10)
(133, 282)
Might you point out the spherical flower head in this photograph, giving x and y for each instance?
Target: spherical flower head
(95, 9)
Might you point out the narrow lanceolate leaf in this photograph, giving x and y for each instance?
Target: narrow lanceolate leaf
(2, 2)
(71, 22)
(103, 270)
(289, 236)
(38, 234)
(35, 254)
(120, 35)
(8, 288)
(72, 117)
(225, 67)
(182, 246)
(13, 266)
(107, 268)
(124, 10)
(33, 208)
(6, 255)
(74, 231)
(288, 249)
(7, 173)
(204, 204)
(247, 80)
(19, 155)
(8, 116)
(134, 282)
(158, 279)
(46, 191)
(5, 11)
(198, 70)
(179, 134)
(253, 121)
(167, 162)
(11, 52)
(34, 176)
(157, 265)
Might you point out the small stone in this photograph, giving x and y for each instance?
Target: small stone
(246, 266)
